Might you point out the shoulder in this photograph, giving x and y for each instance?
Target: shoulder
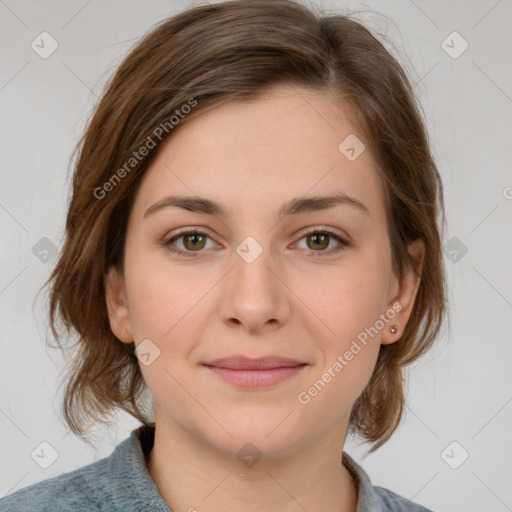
(392, 502)
(375, 498)
(119, 482)
(85, 489)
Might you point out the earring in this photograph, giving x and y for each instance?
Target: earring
(394, 329)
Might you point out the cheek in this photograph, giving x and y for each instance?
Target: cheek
(346, 301)
(348, 309)
(166, 309)
(164, 297)
(328, 393)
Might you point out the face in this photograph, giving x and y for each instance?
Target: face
(249, 280)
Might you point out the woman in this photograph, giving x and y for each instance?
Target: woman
(253, 238)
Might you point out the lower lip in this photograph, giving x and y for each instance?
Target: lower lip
(255, 379)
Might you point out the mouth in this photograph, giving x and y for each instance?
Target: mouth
(258, 373)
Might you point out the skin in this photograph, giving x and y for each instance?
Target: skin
(253, 157)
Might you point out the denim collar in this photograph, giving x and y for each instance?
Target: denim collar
(130, 476)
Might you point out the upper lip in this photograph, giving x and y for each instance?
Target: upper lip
(261, 363)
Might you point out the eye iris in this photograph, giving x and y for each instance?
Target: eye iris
(324, 241)
(195, 237)
(196, 241)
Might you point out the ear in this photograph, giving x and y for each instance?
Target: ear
(117, 305)
(403, 292)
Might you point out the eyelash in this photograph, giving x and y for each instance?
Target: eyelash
(313, 231)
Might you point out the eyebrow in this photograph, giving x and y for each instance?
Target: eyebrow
(295, 206)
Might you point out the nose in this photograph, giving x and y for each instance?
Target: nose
(254, 296)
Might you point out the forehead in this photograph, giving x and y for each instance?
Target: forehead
(260, 153)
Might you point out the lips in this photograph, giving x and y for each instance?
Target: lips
(262, 363)
(247, 373)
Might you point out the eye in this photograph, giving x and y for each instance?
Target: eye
(192, 240)
(319, 239)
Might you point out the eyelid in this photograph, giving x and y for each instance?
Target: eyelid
(318, 228)
(342, 239)
(199, 230)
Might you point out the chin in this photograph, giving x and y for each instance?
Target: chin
(256, 433)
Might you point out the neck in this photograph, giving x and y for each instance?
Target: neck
(191, 474)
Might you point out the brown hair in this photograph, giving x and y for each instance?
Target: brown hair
(203, 57)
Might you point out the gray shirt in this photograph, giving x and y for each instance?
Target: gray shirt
(121, 482)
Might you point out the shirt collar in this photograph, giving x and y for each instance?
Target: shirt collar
(130, 476)
(131, 481)
(367, 498)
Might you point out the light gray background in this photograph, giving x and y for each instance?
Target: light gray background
(460, 392)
